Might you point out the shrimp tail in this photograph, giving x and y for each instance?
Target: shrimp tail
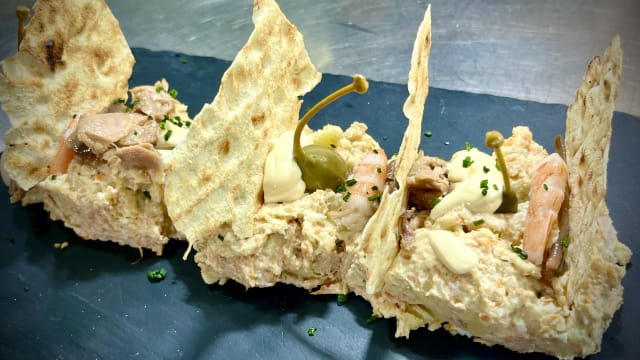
(536, 233)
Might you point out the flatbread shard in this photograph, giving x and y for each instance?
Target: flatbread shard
(377, 247)
(596, 262)
(215, 178)
(73, 57)
(504, 299)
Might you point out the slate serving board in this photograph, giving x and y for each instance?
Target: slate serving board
(91, 301)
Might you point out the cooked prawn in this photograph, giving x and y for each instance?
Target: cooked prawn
(65, 153)
(548, 185)
(361, 200)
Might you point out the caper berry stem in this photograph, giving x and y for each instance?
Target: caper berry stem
(359, 85)
(22, 12)
(494, 140)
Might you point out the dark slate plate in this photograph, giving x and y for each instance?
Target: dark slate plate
(90, 301)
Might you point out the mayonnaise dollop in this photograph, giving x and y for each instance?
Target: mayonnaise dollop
(450, 250)
(477, 184)
(177, 135)
(282, 176)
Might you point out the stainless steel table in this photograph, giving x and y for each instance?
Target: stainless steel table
(520, 49)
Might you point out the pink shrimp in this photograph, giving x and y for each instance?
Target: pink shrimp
(363, 195)
(548, 185)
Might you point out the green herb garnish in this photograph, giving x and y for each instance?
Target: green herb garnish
(351, 182)
(435, 201)
(467, 146)
(545, 186)
(565, 241)
(220, 237)
(523, 255)
(167, 135)
(428, 134)
(54, 176)
(340, 188)
(375, 197)
(157, 275)
(312, 331)
(346, 196)
(478, 222)
(484, 185)
(466, 162)
(378, 170)
(342, 298)
(371, 319)
(159, 89)
(485, 169)
(173, 93)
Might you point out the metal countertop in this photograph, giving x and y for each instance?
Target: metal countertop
(519, 49)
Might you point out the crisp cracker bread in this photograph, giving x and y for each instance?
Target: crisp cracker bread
(595, 259)
(73, 58)
(215, 177)
(379, 239)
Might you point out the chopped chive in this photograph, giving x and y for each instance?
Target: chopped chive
(467, 146)
(484, 185)
(188, 123)
(346, 196)
(435, 201)
(342, 298)
(378, 170)
(157, 275)
(351, 182)
(220, 237)
(375, 197)
(312, 331)
(523, 255)
(371, 319)
(184, 60)
(159, 89)
(545, 186)
(478, 222)
(485, 169)
(565, 241)
(340, 189)
(466, 162)
(167, 135)
(53, 177)
(428, 134)
(173, 93)
(374, 188)
(495, 187)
